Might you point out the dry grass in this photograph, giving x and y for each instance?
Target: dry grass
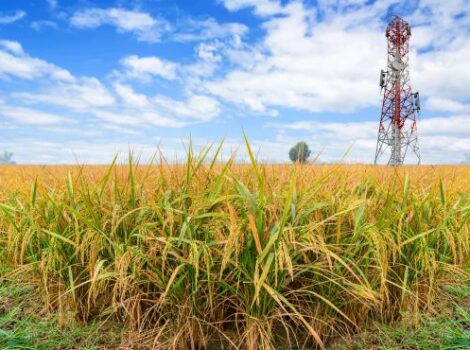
(251, 256)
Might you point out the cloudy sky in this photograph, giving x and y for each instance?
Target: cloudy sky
(82, 80)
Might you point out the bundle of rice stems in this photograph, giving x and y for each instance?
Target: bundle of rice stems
(237, 256)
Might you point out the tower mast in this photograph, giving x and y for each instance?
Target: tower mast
(400, 106)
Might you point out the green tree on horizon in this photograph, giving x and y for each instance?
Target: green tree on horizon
(6, 158)
(467, 158)
(299, 153)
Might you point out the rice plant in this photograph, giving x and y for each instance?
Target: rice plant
(211, 254)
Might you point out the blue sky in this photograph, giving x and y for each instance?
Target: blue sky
(83, 80)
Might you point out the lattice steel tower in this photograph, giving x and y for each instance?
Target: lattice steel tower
(400, 107)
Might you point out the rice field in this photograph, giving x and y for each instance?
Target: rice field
(222, 255)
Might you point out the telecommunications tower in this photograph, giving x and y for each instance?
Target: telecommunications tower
(400, 107)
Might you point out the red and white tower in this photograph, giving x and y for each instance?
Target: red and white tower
(400, 107)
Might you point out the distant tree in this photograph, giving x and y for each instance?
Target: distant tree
(299, 153)
(467, 158)
(6, 158)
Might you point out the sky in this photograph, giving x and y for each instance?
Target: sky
(81, 81)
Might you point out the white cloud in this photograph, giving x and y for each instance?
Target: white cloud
(261, 7)
(138, 118)
(198, 30)
(444, 73)
(211, 57)
(29, 116)
(453, 126)
(445, 105)
(349, 131)
(39, 25)
(120, 129)
(15, 63)
(7, 19)
(209, 60)
(130, 97)
(82, 131)
(12, 46)
(440, 29)
(199, 108)
(138, 109)
(141, 24)
(81, 94)
(146, 68)
(150, 29)
(209, 52)
(439, 23)
(52, 3)
(327, 68)
(444, 149)
(88, 96)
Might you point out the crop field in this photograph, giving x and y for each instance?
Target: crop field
(221, 255)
